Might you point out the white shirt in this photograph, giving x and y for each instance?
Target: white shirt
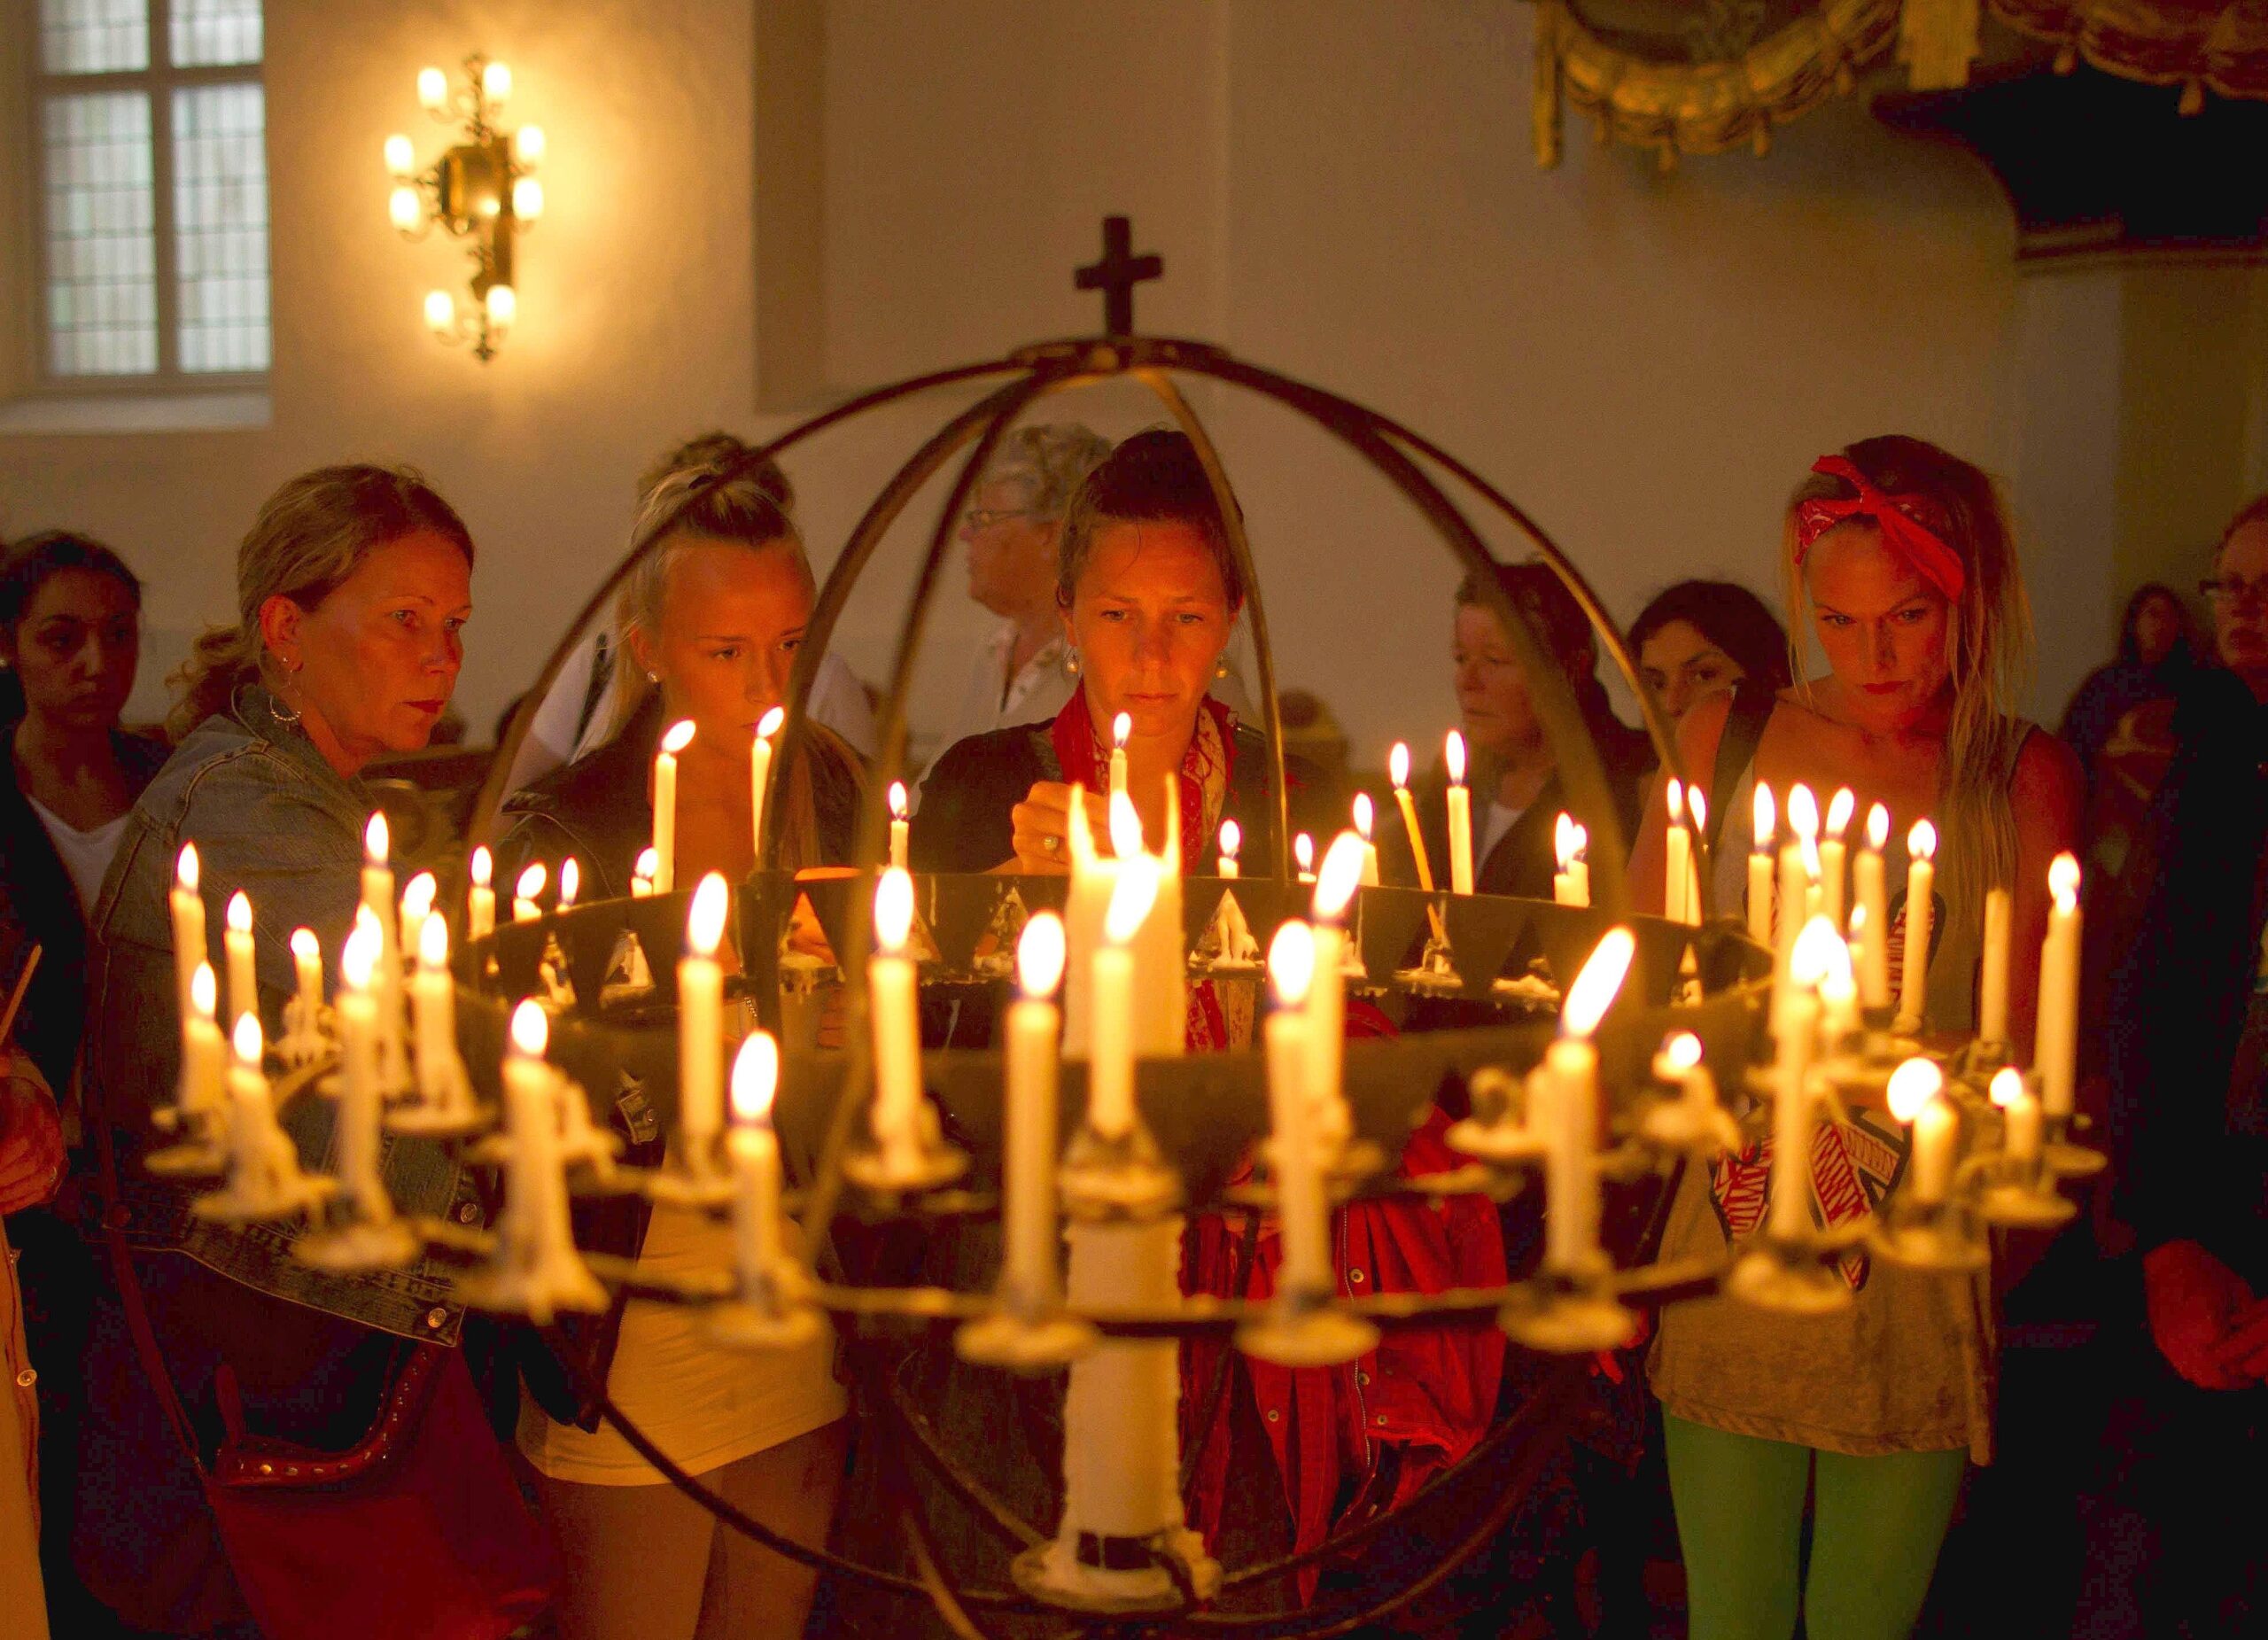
(86, 854)
(1494, 825)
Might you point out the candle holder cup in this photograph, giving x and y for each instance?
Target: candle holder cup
(1794, 1276)
(365, 1239)
(305, 1039)
(1129, 1577)
(1025, 1338)
(1124, 1178)
(1306, 1329)
(777, 1314)
(1569, 1311)
(1940, 1236)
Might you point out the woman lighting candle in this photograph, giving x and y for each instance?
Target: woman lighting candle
(700, 1026)
(1032, 1278)
(1397, 764)
(187, 906)
(1921, 912)
(1460, 805)
(480, 902)
(759, 778)
(1302, 1211)
(892, 1004)
(1569, 1082)
(675, 741)
(2056, 1044)
(1766, 822)
(237, 945)
(1870, 881)
(1915, 1090)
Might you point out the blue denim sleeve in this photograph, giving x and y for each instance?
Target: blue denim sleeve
(261, 827)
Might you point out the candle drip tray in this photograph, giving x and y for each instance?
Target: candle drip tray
(1929, 1238)
(1119, 1576)
(1037, 1344)
(1569, 1313)
(2013, 1204)
(1793, 1277)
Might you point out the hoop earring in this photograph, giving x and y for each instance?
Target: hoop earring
(281, 712)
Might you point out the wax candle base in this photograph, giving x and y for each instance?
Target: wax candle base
(1042, 1344)
(1118, 1576)
(1120, 1180)
(1934, 1238)
(1689, 1128)
(1299, 1331)
(359, 1247)
(1568, 1315)
(1792, 1280)
(928, 1163)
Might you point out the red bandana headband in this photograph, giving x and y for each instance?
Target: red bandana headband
(1912, 526)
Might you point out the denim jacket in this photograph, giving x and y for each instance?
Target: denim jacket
(270, 816)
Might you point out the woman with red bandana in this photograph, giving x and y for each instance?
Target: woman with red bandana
(1898, 560)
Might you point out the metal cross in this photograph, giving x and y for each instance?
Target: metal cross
(1117, 274)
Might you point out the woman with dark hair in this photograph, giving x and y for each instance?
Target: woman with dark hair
(1701, 638)
(2157, 648)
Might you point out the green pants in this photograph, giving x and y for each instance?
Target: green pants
(1876, 1524)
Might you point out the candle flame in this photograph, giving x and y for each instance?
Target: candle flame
(570, 882)
(898, 800)
(1921, 841)
(1303, 852)
(678, 738)
(1700, 802)
(2063, 881)
(1877, 827)
(483, 868)
(1039, 956)
(1596, 986)
(1681, 1050)
(768, 725)
(1764, 817)
(531, 881)
(1912, 1085)
(1340, 876)
(705, 925)
(1365, 815)
(185, 870)
(239, 913)
(1582, 840)
(1839, 810)
(1290, 963)
(1676, 800)
(433, 943)
(303, 942)
(531, 1030)
(1397, 764)
(417, 899)
(204, 991)
(756, 1077)
(1453, 755)
(1814, 954)
(1803, 813)
(648, 865)
(1231, 839)
(247, 1039)
(1563, 839)
(358, 960)
(1858, 924)
(2008, 1086)
(1129, 901)
(377, 840)
(1125, 827)
(1840, 982)
(1121, 726)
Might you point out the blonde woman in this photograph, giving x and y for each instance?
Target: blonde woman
(711, 621)
(1898, 560)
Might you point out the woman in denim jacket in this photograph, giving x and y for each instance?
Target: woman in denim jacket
(352, 589)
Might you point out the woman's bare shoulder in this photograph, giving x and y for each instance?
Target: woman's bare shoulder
(2047, 777)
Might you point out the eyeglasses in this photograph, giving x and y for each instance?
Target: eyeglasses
(985, 517)
(2235, 593)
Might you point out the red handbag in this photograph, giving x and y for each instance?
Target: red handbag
(417, 1532)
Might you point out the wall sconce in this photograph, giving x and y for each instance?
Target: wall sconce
(484, 191)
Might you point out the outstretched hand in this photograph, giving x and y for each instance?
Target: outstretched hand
(31, 1135)
(1043, 826)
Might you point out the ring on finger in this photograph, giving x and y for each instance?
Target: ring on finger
(1051, 842)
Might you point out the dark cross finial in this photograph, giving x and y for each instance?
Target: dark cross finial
(1117, 274)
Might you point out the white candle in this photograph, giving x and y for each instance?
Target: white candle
(679, 736)
(417, 905)
(235, 944)
(360, 1144)
(1992, 987)
(892, 1004)
(1302, 1212)
(251, 1118)
(1839, 996)
(525, 904)
(188, 907)
(2056, 1044)
(307, 967)
(1871, 884)
(759, 778)
(1121, 727)
(1327, 990)
(1231, 838)
(2021, 1114)
(378, 898)
(1915, 1089)
(900, 830)
(1833, 857)
(1678, 1060)
(1365, 823)
(1920, 911)
(1798, 885)
(1569, 1083)
(1460, 816)
(535, 1201)
(1796, 1029)
(1303, 856)
(204, 1050)
(1698, 802)
(1764, 821)
(1110, 1057)
(1398, 766)
(1680, 858)
(571, 883)
(700, 1024)
(642, 874)
(480, 904)
(1565, 889)
(754, 1149)
(433, 1012)
(1029, 1232)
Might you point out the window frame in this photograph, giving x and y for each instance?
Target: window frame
(36, 374)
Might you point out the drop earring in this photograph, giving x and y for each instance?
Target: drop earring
(1220, 669)
(1071, 662)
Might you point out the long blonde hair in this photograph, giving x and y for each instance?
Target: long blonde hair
(310, 536)
(1988, 640)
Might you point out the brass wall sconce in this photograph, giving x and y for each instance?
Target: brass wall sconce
(484, 189)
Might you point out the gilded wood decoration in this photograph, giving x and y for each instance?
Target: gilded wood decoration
(2201, 45)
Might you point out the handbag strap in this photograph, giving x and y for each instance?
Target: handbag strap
(129, 1294)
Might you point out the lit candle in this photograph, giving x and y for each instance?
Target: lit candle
(1121, 726)
(1920, 910)
(1992, 984)
(2056, 1044)
(679, 736)
(1302, 1212)
(1698, 802)
(1028, 1232)
(1678, 1060)
(892, 1003)
(481, 906)
(1460, 816)
(700, 1024)
(571, 885)
(1303, 856)
(525, 907)
(360, 1144)
(1795, 891)
(204, 1050)
(1326, 991)
(1795, 1028)
(188, 907)
(1398, 766)
(1766, 822)
(1110, 1058)
(899, 829)
(1871, 884)
(433, 1012)
(759, 779)
(1563, 852)
(1365, 824)
(1833, 857)
(1803, 818)
(378, 896)
(1675, 896)
(1839, 996)
(252, 1116)
(1231, 837)
(1569, 1083)
(2020, 1115)
(1914, 1099)
(235, 945)
(416, 906)
(432, 89)
(306, 966)
(642, 874)
(754, 1149)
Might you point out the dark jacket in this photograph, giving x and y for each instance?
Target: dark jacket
(37, 893)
